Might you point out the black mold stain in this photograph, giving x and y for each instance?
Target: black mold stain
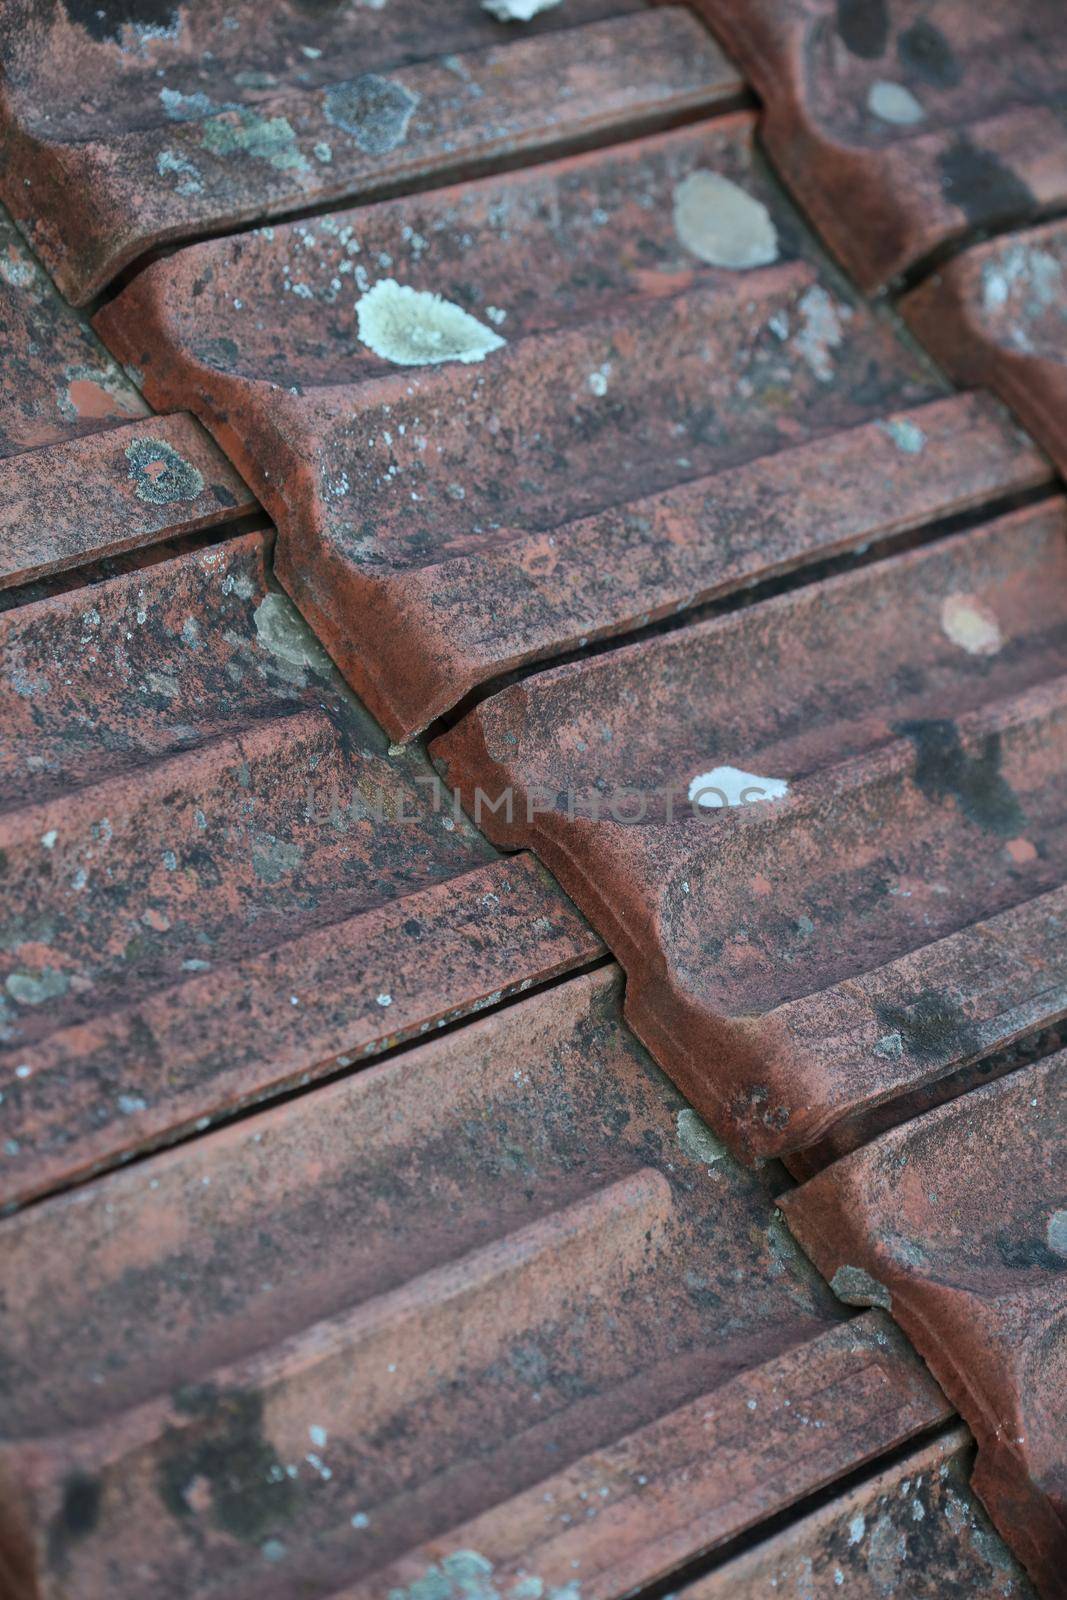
(863, 27)
(251, 1493)
(105, 19)
(77, 1516)
(985, 190)
(944, 770)
(926, 54)
(930, 1024)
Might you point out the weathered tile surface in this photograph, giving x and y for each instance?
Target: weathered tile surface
(216, 880)
(679, 361)
(997, 316)
(85, 469)
(915, 1532)
(502, 1294)
(899, 911)
(192, 120)
(903, 125)
(957, 1221)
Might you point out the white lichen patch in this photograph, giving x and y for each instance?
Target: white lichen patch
(696, 1139)
(1056, 1233)
(517, 10)
(820, 331)
(893, 102)
(969, 623)
(720, 223)
(729, 786)
(908, 437)
(417, 328)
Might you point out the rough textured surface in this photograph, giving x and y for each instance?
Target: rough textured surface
(958, 1220)
(903, 125)
(795, 961)
(555, 1325)
(913, 1532)
(646, 434)
(216, 879)
(997, 315)
(85, 470)
(190, 120)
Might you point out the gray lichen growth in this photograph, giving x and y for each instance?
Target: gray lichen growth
(270, 139)
(374, 110)
(35, 988)
(161, 477)
(857, 1288)
(697, 1139)
(416, 328)
(282, 631)
(720, 223)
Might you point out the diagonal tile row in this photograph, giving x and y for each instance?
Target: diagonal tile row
(653, 393)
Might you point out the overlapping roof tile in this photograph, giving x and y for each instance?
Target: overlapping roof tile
(217, 879)
(914, 1530)
(501, 1300)
(679, 360)
(193, 119)
(903, 125)
(85, 470)
(957, 1221)
(891, 906)
(997, 316)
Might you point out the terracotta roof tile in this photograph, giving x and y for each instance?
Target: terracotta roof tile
(903, 125)
(643, 394)
(189, 122)
(995, 316)
(85, 470)
(583, 1348)
(193, 867)
(914, 1530)
(957, 1220)
(914, 710)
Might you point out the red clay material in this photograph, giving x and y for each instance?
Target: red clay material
(957, 1223)
(912, 1532)
(996, 316)
(193, 120)
(903, 125)
(85, 471)
(657, 428)
(797, 960)
(502, 1299)
(217, 881)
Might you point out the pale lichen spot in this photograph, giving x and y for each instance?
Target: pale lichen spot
(857, 1528)
(907, 436)
(857, 1288)
(36, 988)
(374, 110)
(723, 225)
(161, 477)
(971, 624)
(729, 786)
(696, 1139)
(270, 139)
(517, 10)
(1056, 1233)
(417, 328)
(281, 630)
(820, 331)
(894, 103)
(598, 380)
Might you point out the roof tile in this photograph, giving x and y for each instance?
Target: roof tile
(232, 113)
(578, 1331)
(995, 316)
(915, 1529)
(85, 470)
(913, 710)
(903, 126)
(643, 394)
(206, 846)
(957, 1220)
